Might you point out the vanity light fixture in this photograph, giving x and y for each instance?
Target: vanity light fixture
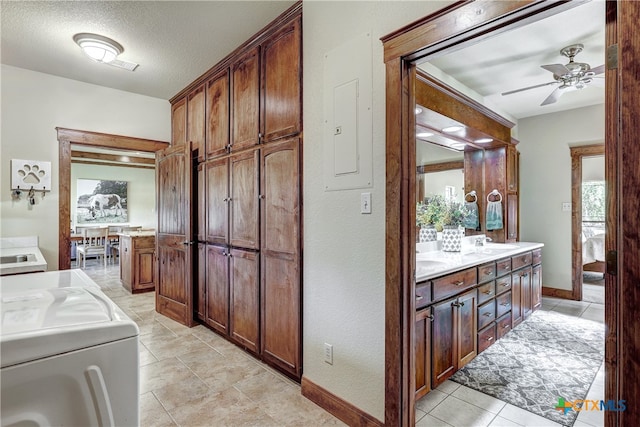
(483, 140)
(452, 129)
(97, 47)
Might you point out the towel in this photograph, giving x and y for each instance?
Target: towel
(471, 219)
(494, 215)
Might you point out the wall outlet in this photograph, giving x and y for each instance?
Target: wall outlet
(328, 353)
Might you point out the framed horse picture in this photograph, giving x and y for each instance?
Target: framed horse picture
(101, 201)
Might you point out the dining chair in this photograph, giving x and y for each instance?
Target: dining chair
(94, 242)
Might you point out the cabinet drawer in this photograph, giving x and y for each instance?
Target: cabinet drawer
(503, 266)
(521, 260)
(423, 294)
(454, 283)
(486, 292)
(536, 256)
(503, 304)
(503, 325)
(486, 313)
(503, 284)
(486, 337)
(486, 272)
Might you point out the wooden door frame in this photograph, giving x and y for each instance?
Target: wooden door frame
(66, 137)
(462, 23)
(577, 154)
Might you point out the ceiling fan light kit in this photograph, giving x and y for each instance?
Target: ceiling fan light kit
(569, 77)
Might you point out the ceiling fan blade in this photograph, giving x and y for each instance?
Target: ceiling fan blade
(557, 69)
(527, 88)
(555, 95)
(597, 70)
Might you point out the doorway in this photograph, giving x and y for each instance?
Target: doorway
(457, 26)
(67, 137)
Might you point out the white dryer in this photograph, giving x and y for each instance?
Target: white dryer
(69, 355)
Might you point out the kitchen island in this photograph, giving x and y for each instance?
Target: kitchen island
(467, 300)
(137, 261)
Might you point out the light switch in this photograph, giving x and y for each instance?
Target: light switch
(566, 206)
(365, 203)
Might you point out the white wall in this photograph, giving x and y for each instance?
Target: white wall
(344, 262)
(545, 183)
(141, 190)
(33, 105)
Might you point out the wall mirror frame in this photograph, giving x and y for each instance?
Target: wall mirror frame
(458, 25)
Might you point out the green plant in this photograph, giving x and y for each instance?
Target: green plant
(430, 211)
(454, 214)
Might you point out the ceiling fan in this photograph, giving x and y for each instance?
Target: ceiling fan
(569, 77)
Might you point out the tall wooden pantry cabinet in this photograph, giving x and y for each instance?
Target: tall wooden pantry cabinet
(241, 126)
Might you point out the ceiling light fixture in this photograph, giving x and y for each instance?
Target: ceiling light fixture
(98, 48)
(452, 129)
(483, 140)
(424, 134)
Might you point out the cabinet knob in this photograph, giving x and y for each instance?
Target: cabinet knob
(490, 339)
(261, 197)
(419, 297)
(460, 283)
(487, 314)
(487, 292)
(430, 317)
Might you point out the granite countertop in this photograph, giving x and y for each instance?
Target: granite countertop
(12, 246)
(435, 263)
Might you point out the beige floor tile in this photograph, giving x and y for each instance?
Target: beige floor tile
(503, 422)
(289, 408)
(525, 418)
(429, 421)
(167, 347)
(260, 387)
(152, 413)
(481, 400)
(164, 372)
(182, 393)
(459, 413)
(595, 312)
(145, 356)
(448, 387)
(430, 401)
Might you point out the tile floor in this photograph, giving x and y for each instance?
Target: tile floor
(193, 377)
(455, 405)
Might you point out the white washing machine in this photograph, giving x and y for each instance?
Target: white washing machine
(69, 355)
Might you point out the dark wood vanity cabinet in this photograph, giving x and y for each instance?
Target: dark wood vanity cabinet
(137, 262)
(461, 314)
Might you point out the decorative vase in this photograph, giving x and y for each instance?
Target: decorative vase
(428, 234)
(451, 238)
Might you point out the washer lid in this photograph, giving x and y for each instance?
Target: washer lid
(37, 323)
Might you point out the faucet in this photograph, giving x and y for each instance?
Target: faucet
(479, 241)
(488, 239)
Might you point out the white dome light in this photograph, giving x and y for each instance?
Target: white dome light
(98, 48)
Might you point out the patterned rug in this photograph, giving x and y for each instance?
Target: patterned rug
(547, 357)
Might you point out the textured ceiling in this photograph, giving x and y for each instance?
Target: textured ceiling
(173, 41)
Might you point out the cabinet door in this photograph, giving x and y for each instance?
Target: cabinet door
(512, 217)
(217, 283)
(202, 203)
(281, 78)
(243, 200)
(443, 342)
(467, 326)
(145, 267)
(195, 120)
(245, 303)
(422, 346)
(525, 283)
(201, 294)
(217, 201)
(179, 122)
(217, 115)
(536, 287)
(126, 262)
(512, 169)
(246, 97)
(516, 299)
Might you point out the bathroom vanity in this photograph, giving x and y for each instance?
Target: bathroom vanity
(467, 300)
(19, 255)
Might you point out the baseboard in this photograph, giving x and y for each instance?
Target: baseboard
(557, 293)
(339, 408)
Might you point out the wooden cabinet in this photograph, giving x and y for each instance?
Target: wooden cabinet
(512, 218)
(422, 346)
(281, 83)
(217, 115)
(501, 173)
(536, 280)
(512, 169)
(246, 96)
(245, 298)
(196, 120)
(179, 122)
(526, 284)
(249, 194)
(453, 336)
(137, 262)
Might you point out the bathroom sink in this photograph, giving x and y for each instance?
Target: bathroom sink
(428, 266)
(500, 246)
(12, 259)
